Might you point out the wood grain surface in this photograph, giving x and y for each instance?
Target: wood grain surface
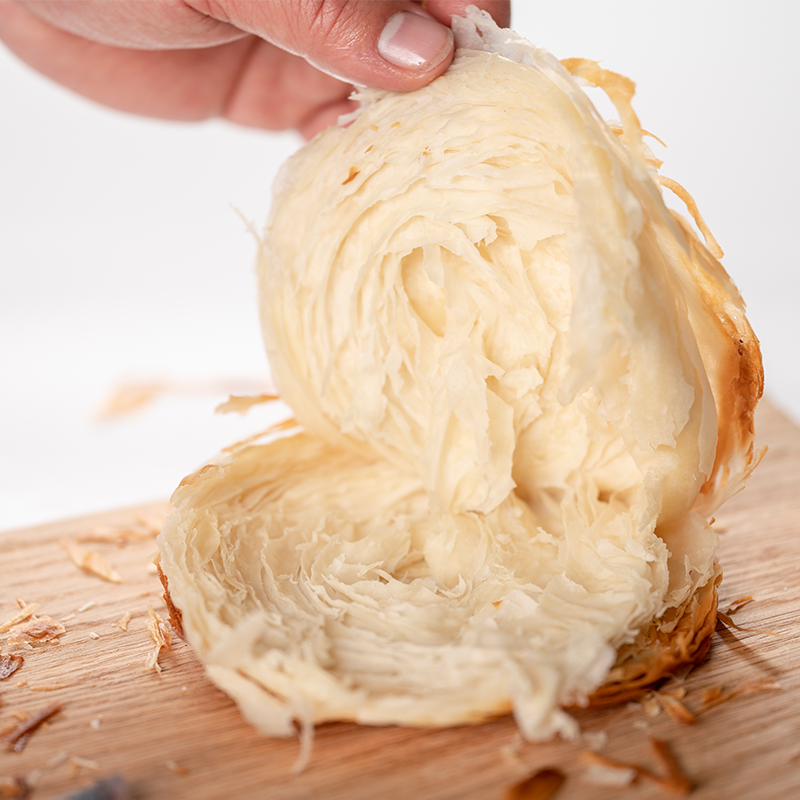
(174, 735)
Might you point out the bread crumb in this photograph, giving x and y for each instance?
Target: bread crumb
(240, 404)
(510, 751)
(651, 706)
(739, 603)
(677, 710)
(90, 561)
(162, 637)
(48, 687)
(76, 764)
(9, 664)
(174, 766)
(14, 787)
(37, 630)
(674, 782)
(124, 620)
(152, 522)
(93, 635)
(605, 775)
(18, 737)
(540, 786)
(27, 611)
(57, 760)
(119, 535)
(715, 696)
(724, 621)
(96, 722)
(597, 740)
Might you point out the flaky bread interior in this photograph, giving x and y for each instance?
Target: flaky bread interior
(521, 386)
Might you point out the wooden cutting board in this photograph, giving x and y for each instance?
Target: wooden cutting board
(174, 735)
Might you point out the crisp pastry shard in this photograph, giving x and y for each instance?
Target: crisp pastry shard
(521, 386)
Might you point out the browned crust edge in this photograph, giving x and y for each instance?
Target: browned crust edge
(175, 614)
(664, 649)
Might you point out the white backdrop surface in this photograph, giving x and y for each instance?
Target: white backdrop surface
(122, 259)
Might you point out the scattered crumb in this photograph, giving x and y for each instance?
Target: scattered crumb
(605, 775)
(76, 764)
(96, 722)
(93, 635)
(243, 403)
(650, 705)
(641, 724)
(539, 786)
(133, 396)
(18, 737)
(27, 611)
(121, 536)
(48, 687)
(711, 695)
(34, 776)
(152, 522)
(184, 688)
(37, 630)
(57, 760)
(23, 682)
(86, 606)
(597, 740)
(130, 397)
(162, 637)
(509, 752)
(14, 788)
(677, 710)
(124, 620)
(715, 696)
(174, 766)
(724, 620)
(9, 664)
(739, 603)
(674, 782)
(68, 617)
(90, 561)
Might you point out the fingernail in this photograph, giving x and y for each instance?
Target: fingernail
(414, 42)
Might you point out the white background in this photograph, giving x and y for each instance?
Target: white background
(122, 259)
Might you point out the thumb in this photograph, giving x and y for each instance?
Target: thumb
(392, 44)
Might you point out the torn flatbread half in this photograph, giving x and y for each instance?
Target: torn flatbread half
(522, 385)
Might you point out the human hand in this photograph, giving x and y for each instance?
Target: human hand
(263, 63)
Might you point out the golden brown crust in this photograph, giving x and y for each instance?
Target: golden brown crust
(175, 614)
(662, 650)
